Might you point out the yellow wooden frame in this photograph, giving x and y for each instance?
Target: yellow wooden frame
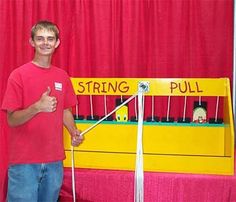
(168, 147)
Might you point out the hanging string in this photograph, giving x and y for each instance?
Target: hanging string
(168, 109)
(152, 108)
(76, 111)
(200, 100)
(185, 105)
(217, 107)
(91, 106)
(135, 108)
(139, 175)
(143, 105)
(105, 105)
(73, 174)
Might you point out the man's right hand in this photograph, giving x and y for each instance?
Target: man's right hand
(47, 103)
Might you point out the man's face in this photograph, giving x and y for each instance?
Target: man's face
(44, 42)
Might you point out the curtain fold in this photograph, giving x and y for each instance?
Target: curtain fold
(120, 38)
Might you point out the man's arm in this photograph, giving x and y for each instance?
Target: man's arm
(45, 104)
(69, 123)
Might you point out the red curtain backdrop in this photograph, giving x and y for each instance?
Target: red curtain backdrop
(120, 38)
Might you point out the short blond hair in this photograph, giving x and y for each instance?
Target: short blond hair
(45, 25)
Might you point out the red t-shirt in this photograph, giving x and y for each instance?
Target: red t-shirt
(40, 139)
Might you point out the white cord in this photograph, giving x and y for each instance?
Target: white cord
(76, 112)
(200, 101)
(139, 175)
(105, 105)
(73, 173)
(153, 108)
(135, 109)
(217, 107)
(168, 109)
(185, 104)
(91, 105)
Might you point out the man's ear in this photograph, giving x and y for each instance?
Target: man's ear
(58, 43)
(31, 42)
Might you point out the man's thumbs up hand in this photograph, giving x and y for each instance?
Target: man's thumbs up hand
(47, 103)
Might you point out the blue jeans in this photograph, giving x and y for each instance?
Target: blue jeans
(35, 182)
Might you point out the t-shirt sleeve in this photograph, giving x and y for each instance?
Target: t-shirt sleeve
(70, 97)
(13, 99)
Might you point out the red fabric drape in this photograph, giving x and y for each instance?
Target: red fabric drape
(120, 38)
(95, 186)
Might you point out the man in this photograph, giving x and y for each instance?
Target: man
(38, 99)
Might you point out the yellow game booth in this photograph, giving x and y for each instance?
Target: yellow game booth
(200, 148)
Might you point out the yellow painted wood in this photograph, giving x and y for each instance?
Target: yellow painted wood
(167, 148)
(159, 163)
(158, 86)
(160, 139)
